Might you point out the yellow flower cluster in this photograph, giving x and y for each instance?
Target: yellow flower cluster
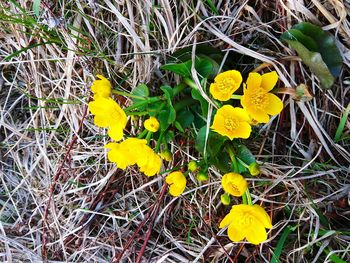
(247, 221)
(108, 113)
(258, 103)
(135, 151)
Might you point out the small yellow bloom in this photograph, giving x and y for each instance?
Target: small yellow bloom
(247, 221)
(134, 151)
(234, 184)
(166, 155)
(151, 124)
(101, 87)
(109, 114)
(257, 100)
(225, 84)
(232, 122)
(177, 182)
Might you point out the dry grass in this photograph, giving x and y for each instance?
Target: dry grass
(47, 142)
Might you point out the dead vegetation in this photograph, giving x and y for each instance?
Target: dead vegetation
(61, 200)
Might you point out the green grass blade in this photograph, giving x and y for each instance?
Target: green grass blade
(277, 253)
(342, 123)
(36, 7)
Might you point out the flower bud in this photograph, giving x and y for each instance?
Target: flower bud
(225, 199)
(192, 166)
(201, 176)
(254, 169)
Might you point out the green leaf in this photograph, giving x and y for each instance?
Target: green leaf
(141, 90)
(315, 62)
(168, 92)
(179, 126)
(244, 154)
(182, 69)
(204, 104)
(214, 143)
(205, 66)
(36, 7)
(185, 54)
(185, 118)
(279, 248)
(326, 46)
(166, 117)
(317, 49)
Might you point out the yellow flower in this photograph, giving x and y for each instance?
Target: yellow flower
(225, 84)
(234, 184)
(152, 165)
(134, 151)
(151, 124)
(101, 87)
(109, 114)
(177, 182)
(166, 155)
(257, 100)
(232, 122)
(247, 221)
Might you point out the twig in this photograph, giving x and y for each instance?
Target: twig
(53, 185)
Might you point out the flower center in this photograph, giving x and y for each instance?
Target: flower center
(260, 99)
(234, 188)
(231, 124)
(226, 84)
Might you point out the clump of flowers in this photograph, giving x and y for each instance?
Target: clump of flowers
(173, 116)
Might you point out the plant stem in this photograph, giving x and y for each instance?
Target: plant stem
(142, 134)
(142, 103)
(127, 94)
(232, 157)
(248, 197)
(190, 83)
(236, 97)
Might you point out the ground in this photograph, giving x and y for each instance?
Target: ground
(62, 200)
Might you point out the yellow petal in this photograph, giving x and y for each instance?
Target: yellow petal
(261, 215)
(101, 121)
(275, 105)
(256, 233)
(254, 80)
(116, 132)
(235, 233)
(243, 131)
(241, 114)
(260, 116)
(269, 80)
(226, 220)
(177, 182)
(234, 184)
